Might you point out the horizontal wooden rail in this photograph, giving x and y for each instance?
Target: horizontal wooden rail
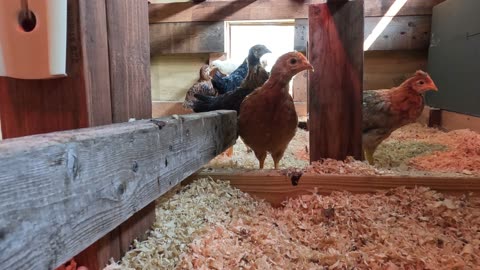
(268, 10)
(275, 187)
(60, 192)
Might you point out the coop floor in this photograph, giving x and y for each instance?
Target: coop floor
(414, 150)
(211, 225)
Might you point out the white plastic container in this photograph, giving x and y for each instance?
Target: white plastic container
(37, 51)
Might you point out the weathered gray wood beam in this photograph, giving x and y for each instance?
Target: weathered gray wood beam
(62, 191)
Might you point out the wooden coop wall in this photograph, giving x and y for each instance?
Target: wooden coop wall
(108, 81)
(400, 49)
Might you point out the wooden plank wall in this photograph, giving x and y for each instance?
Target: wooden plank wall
(108, 63)
(195, 37)
(400, 49)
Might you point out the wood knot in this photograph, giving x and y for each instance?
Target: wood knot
(293, 174)
(160, 124)
(72, 164)
(135, 166)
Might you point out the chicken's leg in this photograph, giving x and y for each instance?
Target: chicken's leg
(277, 156)
(261, 157)
(369, 156)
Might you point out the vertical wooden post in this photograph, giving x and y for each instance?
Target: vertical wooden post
(129, 58)
(108, 67)
(335, 88)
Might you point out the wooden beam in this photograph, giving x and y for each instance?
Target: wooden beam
(79, 100)
(63, 191)
(268, 10)
(194, 37)
(402, 33)
(166, 108)
(450, 120)
(129, 54)
(275, 187)
(335, 88)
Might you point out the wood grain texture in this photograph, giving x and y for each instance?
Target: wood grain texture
(268, 10)
(382, 70)
(79, 100)
(129, 53)
(299, 86)
(63, 191)
(173, 75)
(335, 88)
(451, 120)
(167, 108)
(386, 69)
(194, 37)
(402, 33)
(96, 61)
(275, 188)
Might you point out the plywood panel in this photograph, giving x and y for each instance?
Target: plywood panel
(173, 75)
(268, 10)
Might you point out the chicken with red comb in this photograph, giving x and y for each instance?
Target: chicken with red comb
(267, 120)
(386, 110)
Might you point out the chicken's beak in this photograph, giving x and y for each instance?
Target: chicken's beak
(309, 66)
(434, 87)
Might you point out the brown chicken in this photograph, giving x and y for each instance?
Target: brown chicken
(386, 110)
(268, 121)
(202, 86)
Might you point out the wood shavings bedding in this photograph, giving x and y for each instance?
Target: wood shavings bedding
(182, 218)
(414, 150)
(396, 229)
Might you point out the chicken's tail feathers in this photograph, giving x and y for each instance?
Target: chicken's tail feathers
(203, 103)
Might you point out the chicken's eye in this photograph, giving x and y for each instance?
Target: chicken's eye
(421, 82)
(293, 61)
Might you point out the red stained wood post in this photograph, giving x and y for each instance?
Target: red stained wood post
(335, 50)
(108, 67)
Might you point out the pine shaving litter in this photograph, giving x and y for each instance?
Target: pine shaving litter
(349, 166)
(210, 225)
(411, 150)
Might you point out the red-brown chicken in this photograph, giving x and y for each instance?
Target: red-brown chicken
(268, 121)
(388, 109)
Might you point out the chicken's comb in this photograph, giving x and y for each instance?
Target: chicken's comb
(421, 73)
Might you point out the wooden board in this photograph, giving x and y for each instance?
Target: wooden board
(166, 108)
(386, 69)
(63, 191)
(194, 37)
(173, 75)
(275, 188)
(402, 33)
(451, 120)
(335, 88)
(79, 100)
(268, 10)
(129, 53)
